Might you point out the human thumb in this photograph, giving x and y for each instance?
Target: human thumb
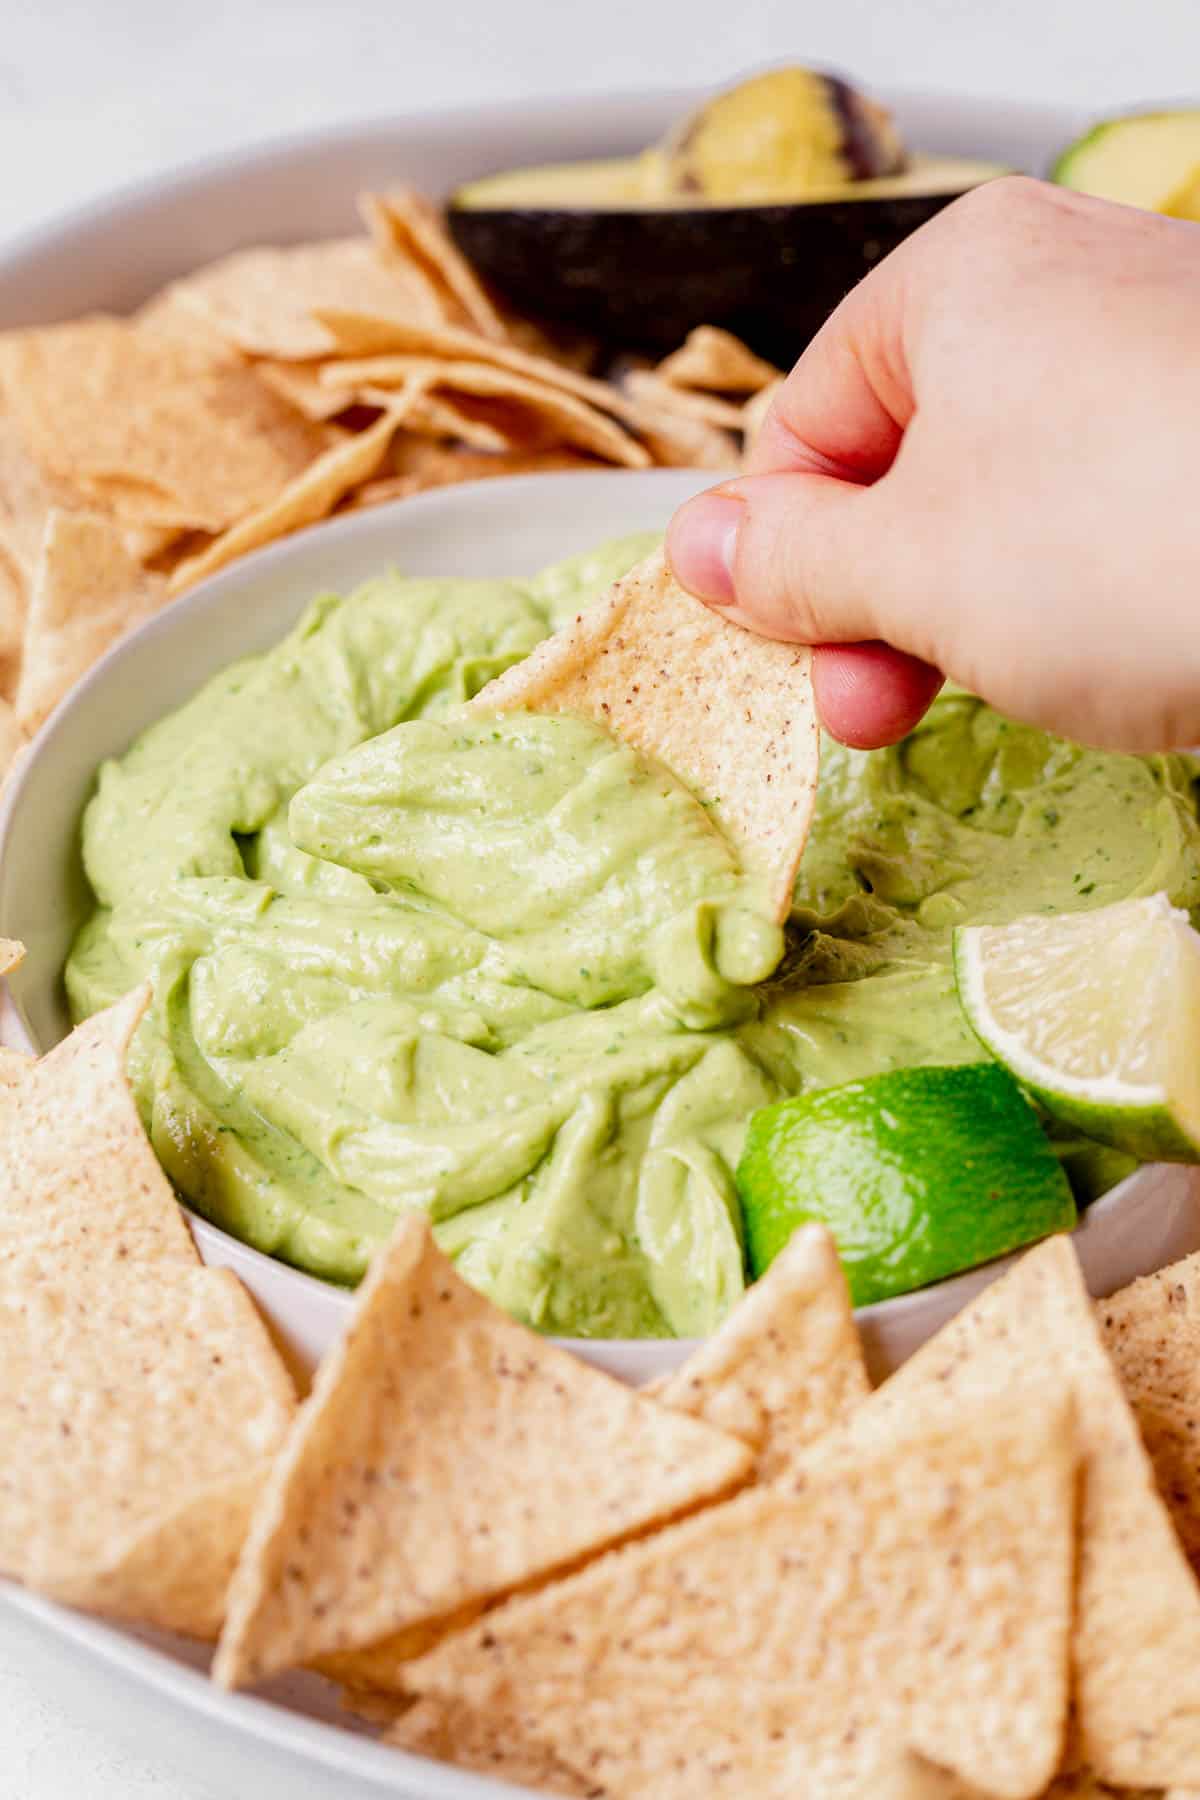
(803, 557)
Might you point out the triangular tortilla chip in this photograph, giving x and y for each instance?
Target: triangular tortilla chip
(301, 386)
(535, 410)
(1137, 1642)
(920, 1596)
(138, 1416)
(444, 465)
(787, 1364)
(445, 415)
(262, 301)
(715, 359)
(311, 496)
(651, 392)
(447, 1455)
(12, 955)
(80, 1187)
(449, 1733)
(678, 443)
(1152, 1330)
(730, 714)
(14, 606)
(12, 742)
(88, 592)
(406, 229)
(375, 351)
(150, 428)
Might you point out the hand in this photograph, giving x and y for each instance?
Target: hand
(988, 460)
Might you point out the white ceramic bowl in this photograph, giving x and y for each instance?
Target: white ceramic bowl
(504, 527)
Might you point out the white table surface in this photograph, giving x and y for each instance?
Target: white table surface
(98, 92)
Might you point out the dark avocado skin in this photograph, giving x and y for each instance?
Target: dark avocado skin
(643, 279)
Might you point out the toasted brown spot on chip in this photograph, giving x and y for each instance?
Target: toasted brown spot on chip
(730, 714)
(447, 1455)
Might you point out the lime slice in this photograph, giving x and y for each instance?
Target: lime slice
(918, 1174)
(1098, 1015)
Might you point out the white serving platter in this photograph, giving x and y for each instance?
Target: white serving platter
(112, 255)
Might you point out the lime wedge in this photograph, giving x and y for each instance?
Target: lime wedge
(1098, 1015)
(918, 1174)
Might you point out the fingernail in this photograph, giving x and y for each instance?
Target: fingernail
(700, 547)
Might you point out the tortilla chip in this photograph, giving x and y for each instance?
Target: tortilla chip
(12, 955)
(80, 1187)
(148, 428)
(653, 393)
(14, 1066)
(1152, 1330)
(730, 714)
(712, 358)
(1082, 1784)
(1137, 1641)
(310, 497)
(678, 443)
(755, 411)
(262, 301)
(447, 1455)
(444, 416)
(89, 592)
(531, 412)
(786, 1365)
(375, 351)
(301, 386)
(138, 1418)
(432, 465)
(12, 744)
(920, 1595)
(169, 314)
(406, 229)
(14, 605)
(453, 1734)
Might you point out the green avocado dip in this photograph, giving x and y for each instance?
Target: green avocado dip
(504, 970)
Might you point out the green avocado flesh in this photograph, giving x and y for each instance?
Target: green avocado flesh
(1151, 160)
(638, 182)
(506, 972)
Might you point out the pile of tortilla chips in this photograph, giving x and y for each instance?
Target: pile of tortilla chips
(758, 1577)
(262, 393)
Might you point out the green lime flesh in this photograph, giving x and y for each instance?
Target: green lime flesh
(918, 1174)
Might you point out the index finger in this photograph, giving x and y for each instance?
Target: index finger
(843, 409)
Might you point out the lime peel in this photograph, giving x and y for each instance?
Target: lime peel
(1097, 1014)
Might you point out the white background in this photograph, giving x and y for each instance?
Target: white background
(99, 92)
(94, 92)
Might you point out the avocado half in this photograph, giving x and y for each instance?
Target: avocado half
(582, 243)
(1149, 159)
